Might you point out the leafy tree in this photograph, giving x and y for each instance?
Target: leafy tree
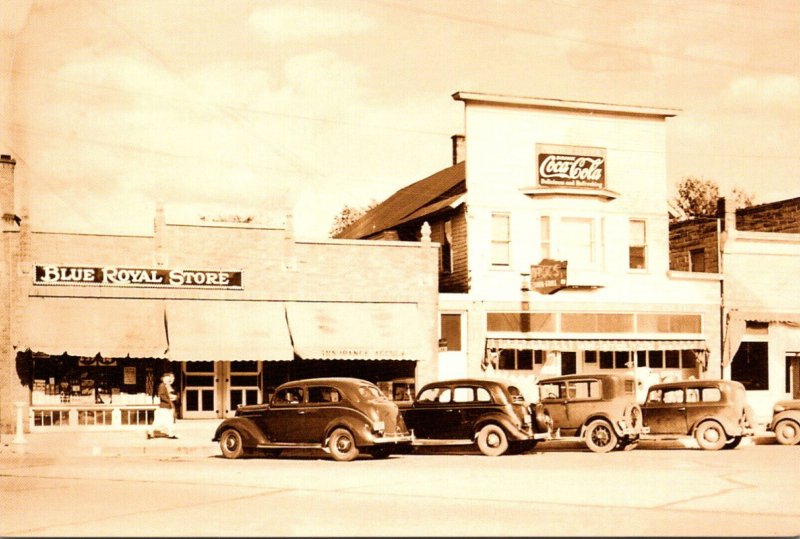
(697, 197)
(349, 215)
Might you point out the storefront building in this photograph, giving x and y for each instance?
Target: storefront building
(757, 250)
(554, 259)
(91, 321)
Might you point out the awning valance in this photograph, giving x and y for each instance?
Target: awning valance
(203, 330)
(602, 345)
(85, 327)
(355, 330)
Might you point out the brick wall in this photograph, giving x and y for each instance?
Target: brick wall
(781, 216)
(686, 236)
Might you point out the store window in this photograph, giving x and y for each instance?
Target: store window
(450, 332)
(750, 365)
(521, 322)
(515, 360)
(501, 239)
(637, 247)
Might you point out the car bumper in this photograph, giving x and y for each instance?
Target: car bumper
(396, 439)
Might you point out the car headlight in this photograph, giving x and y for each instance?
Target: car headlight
(779, 408)
(379, 425)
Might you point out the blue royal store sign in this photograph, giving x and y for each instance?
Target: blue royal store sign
(136, 277)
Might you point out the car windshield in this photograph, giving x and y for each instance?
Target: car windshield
(370, 393)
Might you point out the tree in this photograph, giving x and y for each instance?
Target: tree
(349, 215)
(697, 197)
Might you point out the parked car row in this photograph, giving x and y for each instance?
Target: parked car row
(347, 416)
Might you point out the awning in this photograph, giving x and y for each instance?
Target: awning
(356, 330)
(202, 330)
(85, 327)
(602, 345)
(736, 326)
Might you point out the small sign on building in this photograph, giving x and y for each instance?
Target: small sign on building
(549, 276)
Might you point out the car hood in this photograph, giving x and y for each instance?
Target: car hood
(790, 404)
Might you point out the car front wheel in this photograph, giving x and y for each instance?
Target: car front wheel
(231, 444)
(600, 436)
(342, 445)
(710, 435)
(492, 440)
(787, 432)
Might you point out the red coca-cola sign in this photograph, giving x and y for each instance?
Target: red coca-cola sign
(572, 170)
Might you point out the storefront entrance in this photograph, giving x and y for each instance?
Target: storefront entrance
(213, 389)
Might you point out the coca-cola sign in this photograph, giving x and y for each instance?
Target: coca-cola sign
(575, 167)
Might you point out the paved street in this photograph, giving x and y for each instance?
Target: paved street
(665, 491)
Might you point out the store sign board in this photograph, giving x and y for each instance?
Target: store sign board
(571, 166)
(549, 276)
(46, 274)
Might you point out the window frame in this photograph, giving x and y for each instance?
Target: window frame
(642, 245)
(501, 243)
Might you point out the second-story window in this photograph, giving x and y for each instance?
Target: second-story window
(501, 239)
(637, 244)
(446, 253)
(577, 240)
(544, 234)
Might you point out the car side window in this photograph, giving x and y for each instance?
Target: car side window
(445, 396)
(429, 395)
(463, 394)
(711, 394)
(483, 394)
(585, 390)
(654, 396)
(289, 396)
(323, 395)
(673, 396)
(551, 391)
(692, 394)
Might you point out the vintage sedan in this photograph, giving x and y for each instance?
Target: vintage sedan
(786, 421)
(599, 409)
(715, 412)
(342, 416)
(491, 413)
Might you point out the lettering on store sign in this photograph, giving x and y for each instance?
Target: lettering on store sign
(564, 166)
(549, 276)
(135, 277)
(330, 353)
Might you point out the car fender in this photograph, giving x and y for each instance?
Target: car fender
(786, 414)
(251, 433)
(604, 417)
(513, 431)
(730, 428)
(360, 427)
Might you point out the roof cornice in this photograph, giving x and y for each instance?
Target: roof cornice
(564, 104)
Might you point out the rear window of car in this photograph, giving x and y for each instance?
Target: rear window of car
(370, 393)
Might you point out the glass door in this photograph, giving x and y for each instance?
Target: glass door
(199, 393)
(242, 384)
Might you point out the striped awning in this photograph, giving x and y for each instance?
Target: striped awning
(602, 345)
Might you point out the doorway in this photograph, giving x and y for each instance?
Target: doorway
(793, 374)
(214, 389)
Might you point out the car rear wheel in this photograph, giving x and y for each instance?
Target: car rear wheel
(231, 444)
(733, 443)
(492, 440)
(787, 432)
(600, 436)
(710, 436)
(342, 445)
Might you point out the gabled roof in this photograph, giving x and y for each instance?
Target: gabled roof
(409, 200)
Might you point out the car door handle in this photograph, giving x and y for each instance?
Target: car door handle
(301, 412)
(682, 409)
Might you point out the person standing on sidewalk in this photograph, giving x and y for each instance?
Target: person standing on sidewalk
(164, 417)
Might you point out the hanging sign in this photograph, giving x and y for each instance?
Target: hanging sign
(135, 277)
(549, 276)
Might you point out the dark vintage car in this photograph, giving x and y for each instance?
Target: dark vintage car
(786, 421)
(599, 409)
(491, 413)
(715, 412)
(343, 416)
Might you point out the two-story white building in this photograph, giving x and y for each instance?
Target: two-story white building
(553, 222)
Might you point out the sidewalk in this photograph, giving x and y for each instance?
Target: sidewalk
(194, 439)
